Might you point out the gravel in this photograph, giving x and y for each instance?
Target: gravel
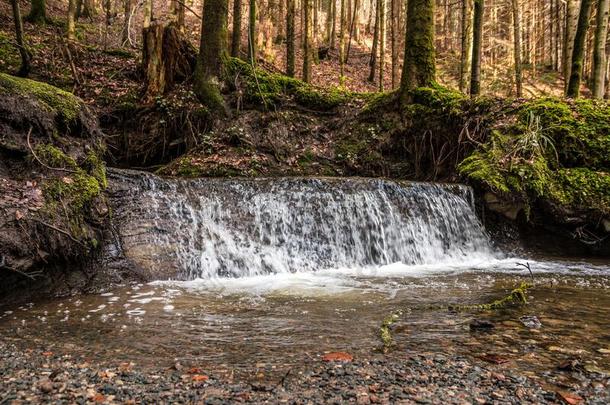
(34, 376)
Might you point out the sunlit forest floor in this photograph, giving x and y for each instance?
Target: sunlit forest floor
(104, 72)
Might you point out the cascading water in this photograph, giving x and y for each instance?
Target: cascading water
(211, 228)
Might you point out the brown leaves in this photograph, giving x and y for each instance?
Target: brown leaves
(570, 398)
(494, 358)
(199, 378)
(338, 356)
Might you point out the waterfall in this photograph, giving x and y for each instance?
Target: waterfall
(208, 228)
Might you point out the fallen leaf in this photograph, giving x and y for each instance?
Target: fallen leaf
(194, 370)
(337, 356)
(47, 354)
(200, 377)
(495, 359)
(18, 215)
(99, 398)
(570, 398)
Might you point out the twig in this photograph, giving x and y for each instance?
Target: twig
(527, 266)
(188, 8)
(60, 169)
(68, 234)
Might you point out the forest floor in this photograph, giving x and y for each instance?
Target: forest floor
(34, 375)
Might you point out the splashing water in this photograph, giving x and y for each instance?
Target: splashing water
(210, 228)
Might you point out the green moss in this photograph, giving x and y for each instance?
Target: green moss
(96, 167)
(9, 54)
(582, 188)
(75, 191)
(271, 89)
(54, 157)
(516, 296)
(64, 105)
(385, 332)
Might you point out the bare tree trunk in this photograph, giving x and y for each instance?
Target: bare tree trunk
(351, 30)
(290, 13)
(382, 26)
(342, 43)
(579, 49)
(373, 60)
(466, 54)
(252, 33)
(127, 4)
(24, 69)
(599, 49)
(236, 35)
(394, 18)
(71, 24)
(333, 31)
(572, 11)
(517, 47)
(212, 54)
(38, 12)
(419, 66)
(148, 6)
(307, 9)
(477, 45)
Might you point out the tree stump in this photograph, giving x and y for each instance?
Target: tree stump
(167, 58)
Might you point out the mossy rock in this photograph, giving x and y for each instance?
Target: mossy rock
(65, 106)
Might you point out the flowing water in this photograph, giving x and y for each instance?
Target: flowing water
(272, 273)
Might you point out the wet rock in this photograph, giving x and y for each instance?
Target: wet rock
(481, 324)
(531, 322)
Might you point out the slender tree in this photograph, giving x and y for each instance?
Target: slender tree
(252, 33)
(307, 40)
(290, 13)
(382, 26)
(373, 59)
(212, 54)
(394, 18)
(578, 53)
(477, 45)
(572, 8)
(148, 12)
(342, 43)
(38, 12)
(466, 50)
(24, 69)
(71, 26)
(419, 67)
(236, 36)
(517, 47)
(599, 49)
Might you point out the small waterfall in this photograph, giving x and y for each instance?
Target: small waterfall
(209, 228)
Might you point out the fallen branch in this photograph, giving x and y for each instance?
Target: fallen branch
(68, 234)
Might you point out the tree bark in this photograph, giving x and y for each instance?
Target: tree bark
(212, 54)
(394, 18)
(127, 4)
(351, 30)
(307, 51)
(252, 33)
(373, 60)
(24, 69)
(382, 26)
(572, 11)
(579, 49)
(290, 13)
(148, 6)
(342, 43)
(38, 12)
(71, 25)
(236, 37)
(517, 47)
(599, 49)
(477, 45)
(419, 68)
(466, 50)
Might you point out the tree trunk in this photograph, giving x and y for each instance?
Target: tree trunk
(394, 16)
(373, 60)
(419, 67)
(127, 4)
(71, 26)
(599, 49)
(351, 30)
(290, 13)
(572, 11)
(342, 43)
(307, 52)
(382, 26)
(517, 47)
(252, 33)
(148, 6)
(38, 12)
(477, 45)
(24, 69)
(579, 49)
(212, 54)
(466, 51)
(236, 37)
